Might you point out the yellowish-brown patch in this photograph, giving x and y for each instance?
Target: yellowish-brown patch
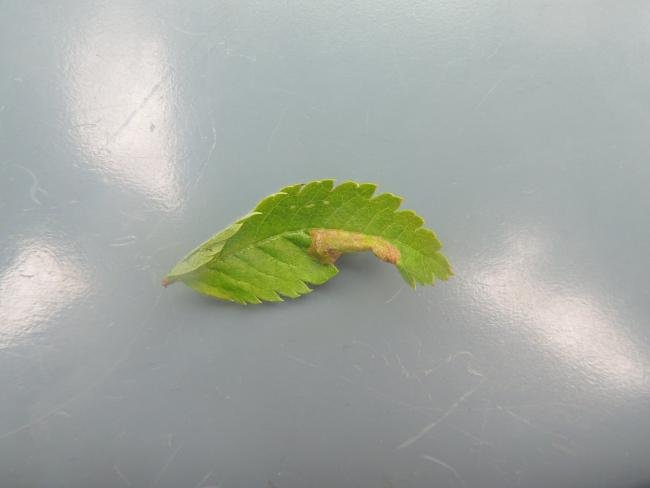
(327, 245)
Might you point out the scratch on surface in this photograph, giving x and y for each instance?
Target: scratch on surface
(405, 372)
(372, 350)
(486, 410)
(201, 171)
(276, 127)
(450, 468)
(398, 69)
(167, 75)
(395, 295)
(477, 440)
(220, 393)
(563, 448)
(143, 103)
(103, 377)
(170, 460)
(36, 188)
(186, 31)
(542, 405)
(437, 421)
(468, 367)
(124, 479)
(304, 362)
(436, 367)
(490, 92)
(497, 49)
(230, 54)
(123, 241)
(420, 346)
(203, 480)
(528, 422)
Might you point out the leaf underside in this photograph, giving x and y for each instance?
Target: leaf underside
(291, 239)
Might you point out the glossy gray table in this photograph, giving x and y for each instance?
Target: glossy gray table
(132, 130)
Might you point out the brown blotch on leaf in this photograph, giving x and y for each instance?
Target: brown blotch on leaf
(327, 245)
(388, 253)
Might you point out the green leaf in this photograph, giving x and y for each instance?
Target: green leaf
(292, 239)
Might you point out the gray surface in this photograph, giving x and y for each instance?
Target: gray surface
(130, 131)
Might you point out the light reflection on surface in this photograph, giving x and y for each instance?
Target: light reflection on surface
(43, 279)
(121, 103)
(573, 324)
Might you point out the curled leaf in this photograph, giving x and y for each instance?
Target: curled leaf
(293, 238)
